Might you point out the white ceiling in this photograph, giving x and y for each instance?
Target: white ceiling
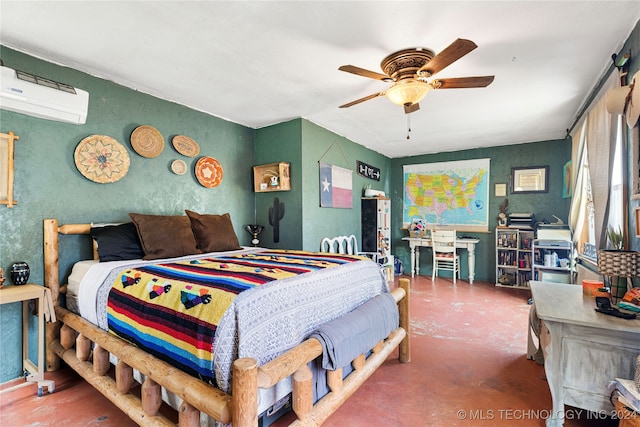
(258, 63)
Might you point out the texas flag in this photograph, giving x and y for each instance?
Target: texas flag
(335, 186)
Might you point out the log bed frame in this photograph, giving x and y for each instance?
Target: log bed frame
(90, 359)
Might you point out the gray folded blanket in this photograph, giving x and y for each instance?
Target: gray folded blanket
(356, 332)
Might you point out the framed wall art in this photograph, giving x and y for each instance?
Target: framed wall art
(6, 168)
(533, 179)
(567, 175)
(335, 186)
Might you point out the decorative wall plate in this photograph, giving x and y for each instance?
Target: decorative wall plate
(101, 159)
(185, 145)
(209, 172)
(179, 167)
(147, 141)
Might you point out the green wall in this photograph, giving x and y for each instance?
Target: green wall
(281, 143)
(547, 153)
(319, 144)
(48, 185)
(304, 144)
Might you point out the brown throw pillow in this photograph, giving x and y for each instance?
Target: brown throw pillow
(213, 233)
(164, 236)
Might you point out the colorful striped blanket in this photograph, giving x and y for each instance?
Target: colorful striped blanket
(172, 310)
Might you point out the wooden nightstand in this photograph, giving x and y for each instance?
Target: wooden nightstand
(25, 293)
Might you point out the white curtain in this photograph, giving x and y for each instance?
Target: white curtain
(596, 136)
(578, 210)
(601, 139)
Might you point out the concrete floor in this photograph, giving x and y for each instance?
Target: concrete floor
(468, 368)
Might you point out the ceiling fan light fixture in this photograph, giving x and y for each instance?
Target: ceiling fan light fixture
(407, 92)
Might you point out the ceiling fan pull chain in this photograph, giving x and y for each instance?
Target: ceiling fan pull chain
(408, 126)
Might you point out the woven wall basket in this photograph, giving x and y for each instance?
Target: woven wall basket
(101, 159)
(147, 141)
(185, 145)
(618, 263)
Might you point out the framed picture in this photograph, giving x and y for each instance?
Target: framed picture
(533, 179)
(501, 190)
(567, 189)
(336, 185)
(6, 168)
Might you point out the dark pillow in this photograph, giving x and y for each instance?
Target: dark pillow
(117, 242)
(164, 236)
(213, 233)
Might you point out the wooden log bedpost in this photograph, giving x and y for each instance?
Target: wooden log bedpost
(244, 396)
(52, 281)
(403, 308)
(52, 277)
(302, 385)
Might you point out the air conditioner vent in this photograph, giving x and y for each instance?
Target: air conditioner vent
(32, 78)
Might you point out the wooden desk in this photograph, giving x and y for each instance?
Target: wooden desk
(25, 293)
(465, 243)
(584, 349)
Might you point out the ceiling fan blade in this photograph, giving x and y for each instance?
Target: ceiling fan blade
(366, 98)
(365, 73)
(411, 108)
(448, 56)
(462, 82)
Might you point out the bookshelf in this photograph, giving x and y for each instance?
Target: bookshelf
(514, 257)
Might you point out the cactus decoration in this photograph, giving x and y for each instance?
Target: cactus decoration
(276, 213)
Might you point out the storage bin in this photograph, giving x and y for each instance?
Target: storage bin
(590, 287)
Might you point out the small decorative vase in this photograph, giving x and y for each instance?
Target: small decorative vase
(254, 230)
(19, 273)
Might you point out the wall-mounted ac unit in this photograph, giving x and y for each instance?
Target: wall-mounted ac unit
(40, 97)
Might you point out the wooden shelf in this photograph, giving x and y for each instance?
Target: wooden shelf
(271, 177)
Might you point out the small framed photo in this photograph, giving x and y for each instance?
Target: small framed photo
(533, 179)
(501, 190)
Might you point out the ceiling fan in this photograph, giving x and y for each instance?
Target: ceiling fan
(410, 71)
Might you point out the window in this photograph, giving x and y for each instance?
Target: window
(584, 220)
(616, 200)
(584, 228)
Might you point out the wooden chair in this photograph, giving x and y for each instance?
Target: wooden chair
(340, 244)
(445, 256)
